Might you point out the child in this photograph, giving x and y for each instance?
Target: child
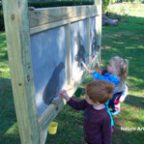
(116, 73)
(97, 122)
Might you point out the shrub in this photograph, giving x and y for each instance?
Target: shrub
(1, 19)
(60, 3)
(105, 5)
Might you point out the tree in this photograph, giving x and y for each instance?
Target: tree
(105, 5)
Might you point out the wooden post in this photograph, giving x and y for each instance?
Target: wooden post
(89, 51)
(98, 3)
(18, 42)
(68, 46)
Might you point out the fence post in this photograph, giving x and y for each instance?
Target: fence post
(18, 42)
(98, 3)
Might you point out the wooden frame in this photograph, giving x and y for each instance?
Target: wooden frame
(47, 18)
(20, 23)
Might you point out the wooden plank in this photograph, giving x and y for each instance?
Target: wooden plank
(99, 22)
(49, 15)
(69, 59)
(18, 42)
(43, 19)
(96, 60)
(88, 39)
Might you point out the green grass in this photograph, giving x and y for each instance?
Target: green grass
(8, 127)
(4, 69)
(126, 40)
(135, 9)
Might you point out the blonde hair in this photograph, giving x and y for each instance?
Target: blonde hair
(121, 66)
(99, 91)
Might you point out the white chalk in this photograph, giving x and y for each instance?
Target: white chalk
(85, 66)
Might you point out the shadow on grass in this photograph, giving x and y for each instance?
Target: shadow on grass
(130, 123)
(135, 101)
(8, 126)
(128, 135)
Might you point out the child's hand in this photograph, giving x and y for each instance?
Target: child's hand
(90, 71)
(99, 71)
(122, 98)
(63, 94)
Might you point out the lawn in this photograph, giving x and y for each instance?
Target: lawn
(126, 40)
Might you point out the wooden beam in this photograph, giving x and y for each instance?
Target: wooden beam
(18, 42)
(69, 58)
(98, 3)
(98, 26)
(88, 47)
(43, 19)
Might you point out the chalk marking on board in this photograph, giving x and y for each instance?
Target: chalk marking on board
(85, 66)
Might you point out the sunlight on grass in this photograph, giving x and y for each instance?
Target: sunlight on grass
(129, 9)
(134, 80)
(132, 47)
(132, 115)
(4, 70)
(139, 93)
(12, 130)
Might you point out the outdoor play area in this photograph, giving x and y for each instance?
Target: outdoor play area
(43, 50)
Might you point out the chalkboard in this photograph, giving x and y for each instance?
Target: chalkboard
(48, 60)
(78, 48)
(93, 37)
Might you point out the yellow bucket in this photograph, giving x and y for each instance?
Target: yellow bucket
(52, 128)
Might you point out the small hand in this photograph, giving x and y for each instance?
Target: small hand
(99, 71)
(90, 71)
(63, 94)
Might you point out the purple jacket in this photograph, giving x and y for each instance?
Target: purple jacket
(97, 124)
